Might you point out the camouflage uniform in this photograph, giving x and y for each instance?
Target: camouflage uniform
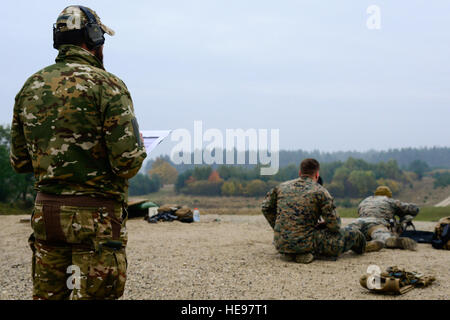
(293, 210)
(375, 214)
(74, 127)
(79, 231)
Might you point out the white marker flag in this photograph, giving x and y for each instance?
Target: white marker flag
(153, 138)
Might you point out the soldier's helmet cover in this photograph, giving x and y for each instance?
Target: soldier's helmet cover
(383, 191)
(72, 18)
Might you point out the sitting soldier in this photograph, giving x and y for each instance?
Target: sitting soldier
(377, 221)
(304, 219)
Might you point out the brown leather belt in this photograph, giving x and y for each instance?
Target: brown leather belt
(51, 209)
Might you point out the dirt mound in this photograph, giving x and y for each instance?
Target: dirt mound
(444, 203)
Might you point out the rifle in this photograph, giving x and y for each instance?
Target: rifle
(398, 226)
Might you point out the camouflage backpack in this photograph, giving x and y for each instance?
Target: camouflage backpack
(185, 214)
(171, 208)
(441, 237)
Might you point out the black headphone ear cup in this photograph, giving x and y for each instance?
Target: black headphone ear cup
(94, 35)
(87, 39)
(54, 38)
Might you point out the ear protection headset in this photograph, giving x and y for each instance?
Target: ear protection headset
(92, 34)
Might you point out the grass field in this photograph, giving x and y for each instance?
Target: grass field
(252, 206)
(9, 209)
(233, 206)
(216, 205)
(425, 214)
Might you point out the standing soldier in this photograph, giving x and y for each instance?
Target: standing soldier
(377, 220)
(304, 219)
(74, 127)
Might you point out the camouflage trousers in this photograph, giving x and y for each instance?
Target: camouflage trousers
(78, 245)
(372, 228)
(322, 242)
(331, 244)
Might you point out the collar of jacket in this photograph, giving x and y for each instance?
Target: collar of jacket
(307, 178)
(76, 54)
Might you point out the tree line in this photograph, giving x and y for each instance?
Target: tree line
(442, 179)
(347, 178)
(435, 157)
(14, 188)
(353, 178)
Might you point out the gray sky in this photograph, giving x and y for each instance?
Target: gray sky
(309, 68)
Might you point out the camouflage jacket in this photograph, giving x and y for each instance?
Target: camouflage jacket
(294, 208)
(74, 127)
(385, 208)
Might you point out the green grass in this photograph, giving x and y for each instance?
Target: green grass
(425, 214)
(234, 205)
(207, 204)
(433, 213)
(10, 209)
(348, 212)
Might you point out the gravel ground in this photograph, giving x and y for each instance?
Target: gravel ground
(228, 257)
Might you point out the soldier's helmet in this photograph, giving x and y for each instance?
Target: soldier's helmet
(383, 191)
(73, 18)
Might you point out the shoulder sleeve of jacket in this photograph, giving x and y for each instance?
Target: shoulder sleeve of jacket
(328, 210)
(126, 151)
(269, 207)
(403, 208)
(19, 156)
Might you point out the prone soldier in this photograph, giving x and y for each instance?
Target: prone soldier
(377, 221)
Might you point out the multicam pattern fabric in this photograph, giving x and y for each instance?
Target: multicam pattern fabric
(294, 209)
(72, 18)
(74, 126)
(86, 243)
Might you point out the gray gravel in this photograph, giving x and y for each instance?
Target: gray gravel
(227, 257)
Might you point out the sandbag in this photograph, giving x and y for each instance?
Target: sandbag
(171, 208)
(185, 214)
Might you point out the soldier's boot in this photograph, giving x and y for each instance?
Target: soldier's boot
(360, 243)
(288, 257)
(401, 242)
(374, 245)
(304, 258)
(326, 258)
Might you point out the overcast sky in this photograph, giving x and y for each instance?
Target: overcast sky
(309, 68)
